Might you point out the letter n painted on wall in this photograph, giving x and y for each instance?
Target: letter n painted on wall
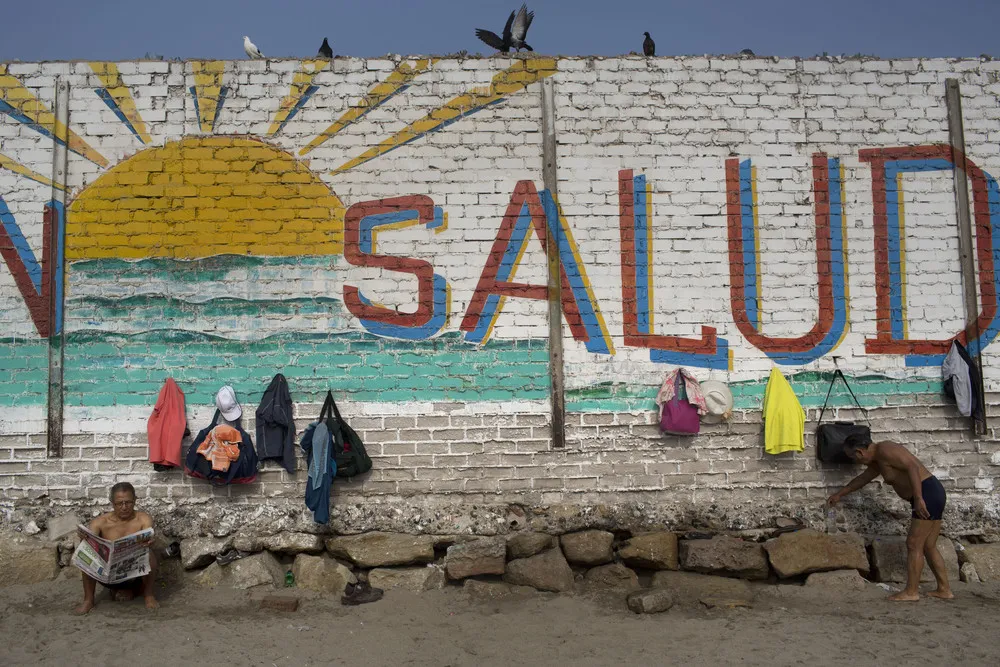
(362, 223)
(888, 166)
(40, 283)
(831, 262)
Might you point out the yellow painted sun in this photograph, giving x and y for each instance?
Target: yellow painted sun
(204, 196)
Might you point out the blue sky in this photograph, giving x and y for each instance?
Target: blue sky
(123, 30)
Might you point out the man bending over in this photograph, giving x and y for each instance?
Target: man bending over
(912, 481)
(121, 521)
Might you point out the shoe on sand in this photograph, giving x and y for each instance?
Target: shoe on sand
(360, 593)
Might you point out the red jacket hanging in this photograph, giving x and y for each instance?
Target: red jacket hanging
(166, 426)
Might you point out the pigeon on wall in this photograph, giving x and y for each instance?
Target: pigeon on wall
(490, 38)
(514, 32)
(648, 45)
(519, 31)
(251, 49)
(324, 50)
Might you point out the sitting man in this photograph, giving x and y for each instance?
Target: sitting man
(122, 521)
(912, 481)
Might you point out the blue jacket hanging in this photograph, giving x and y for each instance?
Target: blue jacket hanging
(317, 445)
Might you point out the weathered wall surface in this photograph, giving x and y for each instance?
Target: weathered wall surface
(373, 227)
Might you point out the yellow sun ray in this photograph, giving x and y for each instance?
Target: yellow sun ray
(513, 79)
(17, 168)
(119, 99)
(21, 104)
(209, 93)
(378, 95)
(300, 92)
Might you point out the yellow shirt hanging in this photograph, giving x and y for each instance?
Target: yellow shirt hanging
(784, 418)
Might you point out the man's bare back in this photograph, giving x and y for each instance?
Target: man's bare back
(892, 461)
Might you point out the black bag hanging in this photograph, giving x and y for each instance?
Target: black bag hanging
(348, 450)
(830, 437)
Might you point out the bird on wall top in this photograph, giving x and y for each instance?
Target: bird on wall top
(519, 31)
(324, 50)
(490, 38)
(648, 45)
(514, 32)
(251, 49)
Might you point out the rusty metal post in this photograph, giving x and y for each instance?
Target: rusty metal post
(55, 267)
(549, 180)
(956, 137)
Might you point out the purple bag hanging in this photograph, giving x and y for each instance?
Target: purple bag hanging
(679, 417)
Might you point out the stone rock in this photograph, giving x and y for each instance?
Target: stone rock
(986, 559)
(650, 601)
(547, 571)
(415, 579)
(31, 528)
(25, 561)
(321, 573)
(808, 550)
(725, 556)
(212, 576)
(612, 576)
(523, 545)
(588, 547)
(260, 569)
(653, 551)
(61, 526)
(889, 559)
(482, 556)
(968, 574)
(200, 551)
(382, 549)
(293, 543)
(494, 590)
(691, 588)
(837, 580)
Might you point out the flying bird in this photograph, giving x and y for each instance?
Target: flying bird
(251, 49)
(514, 32)
(519, 31)
(324, 50)
(490, 38)
(648, 45)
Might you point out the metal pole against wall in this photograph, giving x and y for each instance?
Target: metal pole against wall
(956, 137)
(549, 179)
(55, 267)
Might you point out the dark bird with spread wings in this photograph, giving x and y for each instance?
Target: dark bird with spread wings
(514, 32)
(648, 46)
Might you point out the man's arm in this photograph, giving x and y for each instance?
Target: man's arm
(858, 482)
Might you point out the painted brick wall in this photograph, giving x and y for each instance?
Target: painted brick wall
(373, 227)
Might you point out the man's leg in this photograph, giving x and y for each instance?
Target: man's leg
(149, 583)
(89, 590)
(919, 529)
(934, 559)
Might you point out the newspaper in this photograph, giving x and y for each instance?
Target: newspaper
(112, 562)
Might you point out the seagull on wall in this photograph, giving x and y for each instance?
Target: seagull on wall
(514, 32)
(324, 50)
(648, 45)
(251, 49)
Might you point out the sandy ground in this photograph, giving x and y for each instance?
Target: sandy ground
(788, 625)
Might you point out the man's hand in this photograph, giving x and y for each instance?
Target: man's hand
(834, 499)
(921, 509)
